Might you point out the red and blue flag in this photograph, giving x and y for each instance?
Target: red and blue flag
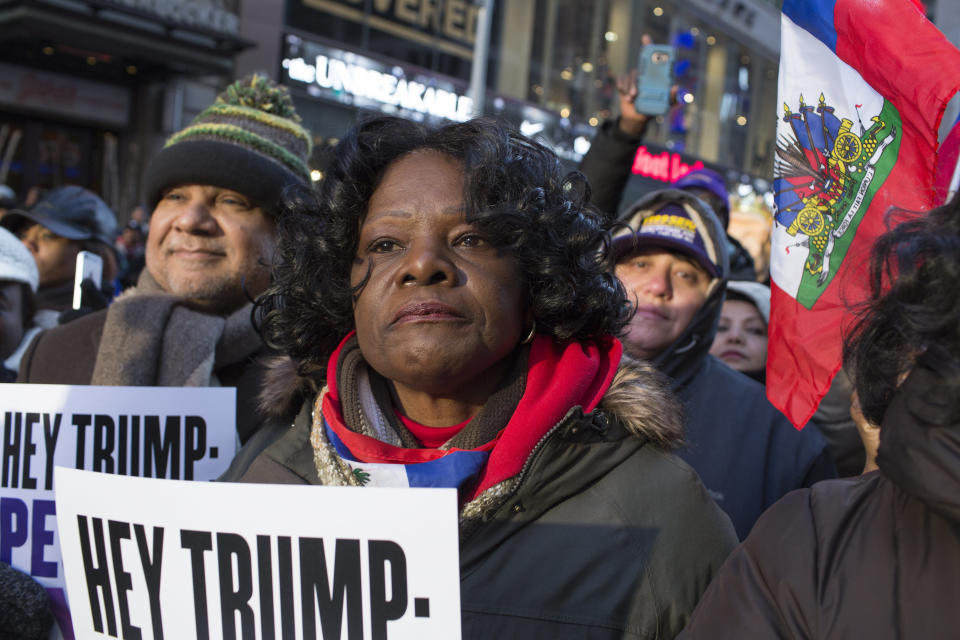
(863, 86)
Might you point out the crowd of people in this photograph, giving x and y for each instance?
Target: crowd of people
(588, 375)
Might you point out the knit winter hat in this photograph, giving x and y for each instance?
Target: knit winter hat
(756, 293)
(671, 225)
(16, 261)
(249, 140)
(25, 607)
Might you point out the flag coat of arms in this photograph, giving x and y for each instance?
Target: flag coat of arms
(862, 88)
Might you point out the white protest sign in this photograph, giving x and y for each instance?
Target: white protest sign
(165, 559)
(169, 432)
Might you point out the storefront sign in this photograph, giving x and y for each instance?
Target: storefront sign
(354, 79)
(52, 93)
(204, 15)
(165, 559)
(664, 166)
(452, 22)
(350, 78)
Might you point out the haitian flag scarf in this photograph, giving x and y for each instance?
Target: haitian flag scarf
(559, 377)
(863, 86)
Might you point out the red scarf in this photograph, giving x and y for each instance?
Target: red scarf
(559, 377)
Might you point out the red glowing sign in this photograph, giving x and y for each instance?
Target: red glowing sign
(666, 166)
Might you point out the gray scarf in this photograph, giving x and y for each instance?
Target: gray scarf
(151, 338)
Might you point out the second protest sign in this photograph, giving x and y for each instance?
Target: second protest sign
(214, 560)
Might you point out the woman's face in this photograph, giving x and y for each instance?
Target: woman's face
(442, 308)
(56, 256)
(741, 339)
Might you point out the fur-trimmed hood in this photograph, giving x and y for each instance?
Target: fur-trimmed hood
(639, 397)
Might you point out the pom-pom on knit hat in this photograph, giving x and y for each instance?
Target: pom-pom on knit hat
(249, 140)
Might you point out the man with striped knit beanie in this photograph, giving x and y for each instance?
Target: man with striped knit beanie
(215, 189)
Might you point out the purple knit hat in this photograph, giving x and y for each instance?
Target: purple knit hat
(670, 227)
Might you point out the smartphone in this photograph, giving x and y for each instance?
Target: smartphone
(654, 79)
(89, 266)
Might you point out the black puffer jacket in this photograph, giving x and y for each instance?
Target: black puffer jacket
(746, 452)
(607, 165)
(877, 556)
(603, 535)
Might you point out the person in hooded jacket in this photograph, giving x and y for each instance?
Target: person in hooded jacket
(671, 257)
(741, 340)
(446, 294)
(741, 343)
(876, 556)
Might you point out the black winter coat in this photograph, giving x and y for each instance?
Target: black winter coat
(877, 556)
(607, 165)
(603, 536)
(747, 453)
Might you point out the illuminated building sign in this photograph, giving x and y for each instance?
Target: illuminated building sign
(58, 94)
(447, 25)
(354, 79)
(664, 166)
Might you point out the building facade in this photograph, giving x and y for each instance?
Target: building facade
(551, 70)
(89, 89)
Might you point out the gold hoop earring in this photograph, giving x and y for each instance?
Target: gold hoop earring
(529, 337)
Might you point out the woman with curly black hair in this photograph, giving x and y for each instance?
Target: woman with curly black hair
(875, 556)
(451, 295)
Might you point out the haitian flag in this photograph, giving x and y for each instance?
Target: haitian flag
(863, 85)
(450, 471)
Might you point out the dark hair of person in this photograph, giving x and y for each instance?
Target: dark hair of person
(514, 194)
(919, 314)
